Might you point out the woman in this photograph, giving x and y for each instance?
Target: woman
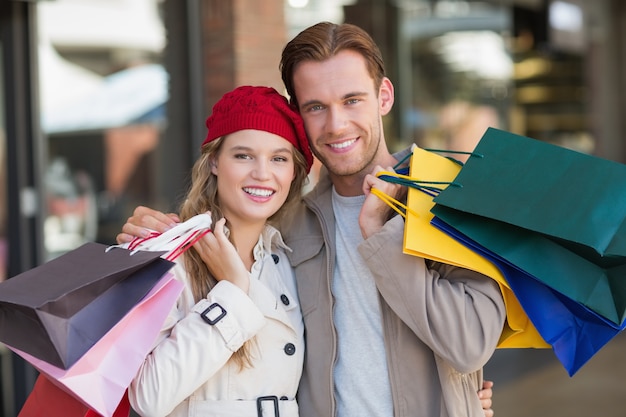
(233, 345)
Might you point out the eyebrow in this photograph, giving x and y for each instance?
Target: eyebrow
(344, 97)
(249, 149)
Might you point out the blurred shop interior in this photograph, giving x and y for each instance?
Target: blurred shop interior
(103, 101)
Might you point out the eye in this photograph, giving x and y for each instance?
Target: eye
(242, 156)
(315, 107)
(352, 101)
(280, 159)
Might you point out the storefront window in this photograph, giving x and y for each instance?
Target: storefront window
(460, 72)
(475, 64)
(103, 92)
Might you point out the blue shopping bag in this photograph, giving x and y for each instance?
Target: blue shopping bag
(574, 331)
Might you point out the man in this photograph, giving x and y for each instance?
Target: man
(388, 334)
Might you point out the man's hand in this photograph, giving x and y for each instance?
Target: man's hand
(485, 395)
(375, 212)
(143, 219)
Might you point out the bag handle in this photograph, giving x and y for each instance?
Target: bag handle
(167, 239)
(393, 203)
(405, 170)
(399, 176)
(174, 241)
(470, 153)
(429, 187)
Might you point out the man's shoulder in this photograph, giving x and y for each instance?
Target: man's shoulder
(298, 219)
(403, 154)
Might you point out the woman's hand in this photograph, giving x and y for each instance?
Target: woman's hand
(485, 395)
(143, 220)
(222, 258)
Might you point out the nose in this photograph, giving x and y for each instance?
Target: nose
(336, 120)
(261, 170)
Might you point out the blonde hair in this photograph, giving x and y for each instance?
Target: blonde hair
(203, 196)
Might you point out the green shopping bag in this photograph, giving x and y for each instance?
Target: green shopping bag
(575, 332)
(576, 199)
(601, 289)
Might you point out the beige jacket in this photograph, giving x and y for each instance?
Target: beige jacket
(441, 323)
(189, 373)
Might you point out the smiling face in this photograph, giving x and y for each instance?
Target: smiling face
(342, 112)
(254, 171)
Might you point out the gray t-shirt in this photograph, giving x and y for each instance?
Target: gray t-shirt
(361, 378)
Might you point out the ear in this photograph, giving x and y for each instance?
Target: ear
(385, 96)
(213, 165)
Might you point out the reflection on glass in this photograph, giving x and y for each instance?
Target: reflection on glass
(458, 75)
(103, 92)
(462, 82)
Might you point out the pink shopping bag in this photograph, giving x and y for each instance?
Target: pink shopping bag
(100, 378)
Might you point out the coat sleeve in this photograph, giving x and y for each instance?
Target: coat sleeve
(189, 351)
(458, 313)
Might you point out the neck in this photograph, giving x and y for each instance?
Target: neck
(348, 186)
(245, 236)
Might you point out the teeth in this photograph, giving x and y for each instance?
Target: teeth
(342, 144)
(259, 192)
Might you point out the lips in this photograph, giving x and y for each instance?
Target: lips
(259, 192)
(342, 145)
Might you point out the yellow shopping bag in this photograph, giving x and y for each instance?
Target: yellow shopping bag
(424, 240)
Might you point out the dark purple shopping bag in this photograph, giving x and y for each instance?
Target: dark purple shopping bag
(57, 311)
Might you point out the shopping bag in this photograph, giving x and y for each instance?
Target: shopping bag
(491, 184)
(100, 378)
(575, 332)
(59, 310)
(576, 198)
(122, 410)
(424, 240)
(48, 400)
(175, 241)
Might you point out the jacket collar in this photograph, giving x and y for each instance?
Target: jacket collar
(269, 241)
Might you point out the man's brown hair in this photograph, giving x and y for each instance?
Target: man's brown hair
(323, 41)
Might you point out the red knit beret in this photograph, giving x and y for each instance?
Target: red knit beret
(258, 108)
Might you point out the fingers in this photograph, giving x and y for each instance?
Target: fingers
(375, 211)
(145, 219)
(219, 231)
(373, 181)
(153, 219)
(212, 242)
(123, 238)
(485, 395)
(486, 403)
(221, 257)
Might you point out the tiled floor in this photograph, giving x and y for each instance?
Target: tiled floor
(534, 383)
